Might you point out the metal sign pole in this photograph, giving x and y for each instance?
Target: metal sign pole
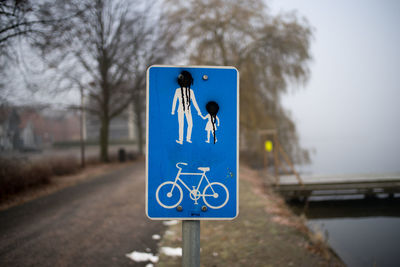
(191, 243)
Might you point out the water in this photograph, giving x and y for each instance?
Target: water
(362, 232)
(363, 241)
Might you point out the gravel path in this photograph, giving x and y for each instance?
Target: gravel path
(94, 223)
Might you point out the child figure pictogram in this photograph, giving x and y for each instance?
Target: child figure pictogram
(209, 127)
(212, 108)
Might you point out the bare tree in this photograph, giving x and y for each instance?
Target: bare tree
(269, 51)
(158, 50)
(17, 18)
(18, 23)
(98, 49)
(12, 24)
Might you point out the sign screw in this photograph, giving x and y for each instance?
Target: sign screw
(179, 208)
(205, 77)
(204, 208)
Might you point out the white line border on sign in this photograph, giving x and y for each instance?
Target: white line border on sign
(237, 143)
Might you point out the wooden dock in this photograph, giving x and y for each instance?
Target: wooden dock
(369, 185)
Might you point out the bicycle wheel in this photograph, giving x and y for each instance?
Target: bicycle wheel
(167, 198)
(215, 195)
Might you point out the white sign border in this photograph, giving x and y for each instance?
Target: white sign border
(237, 144)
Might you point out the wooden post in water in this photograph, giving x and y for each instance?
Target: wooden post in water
(276, 158)
(266, 154)
(289, 162)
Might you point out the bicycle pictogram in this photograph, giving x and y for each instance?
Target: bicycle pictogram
(169, 194)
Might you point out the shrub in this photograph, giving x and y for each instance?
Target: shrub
(92, 160)
(9, 176)
(17, 175)
(64, 166)
(37, 173)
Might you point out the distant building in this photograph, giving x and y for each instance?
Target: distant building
(29, 139)
(33, 128)
(9, 129)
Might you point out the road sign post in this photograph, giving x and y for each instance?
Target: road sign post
(191, 243)
(192, 147)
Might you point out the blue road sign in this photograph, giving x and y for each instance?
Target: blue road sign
(192, 142)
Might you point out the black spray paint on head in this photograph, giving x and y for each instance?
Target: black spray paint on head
(185, 80)
(212, 108)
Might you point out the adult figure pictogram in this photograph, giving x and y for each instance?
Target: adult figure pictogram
(185, 97)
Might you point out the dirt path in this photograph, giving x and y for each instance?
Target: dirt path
(94, 223)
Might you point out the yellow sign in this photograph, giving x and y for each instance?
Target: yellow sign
(268, 146)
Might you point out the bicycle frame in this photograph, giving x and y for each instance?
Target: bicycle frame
(177, 178)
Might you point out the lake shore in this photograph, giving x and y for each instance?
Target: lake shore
(266, 233)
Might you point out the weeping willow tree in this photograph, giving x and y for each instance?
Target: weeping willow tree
(270, 52)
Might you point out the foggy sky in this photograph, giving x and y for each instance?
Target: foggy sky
(349, 111)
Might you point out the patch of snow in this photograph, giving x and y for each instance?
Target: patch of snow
(168, 232)
(149, 265)
(173, 252)
(156, 237)
(215, 254)
(169, 223)
(142, 256)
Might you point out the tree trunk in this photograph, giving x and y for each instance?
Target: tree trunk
(82, 132)
(139, 126)
(105, 123)
(140, 135)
